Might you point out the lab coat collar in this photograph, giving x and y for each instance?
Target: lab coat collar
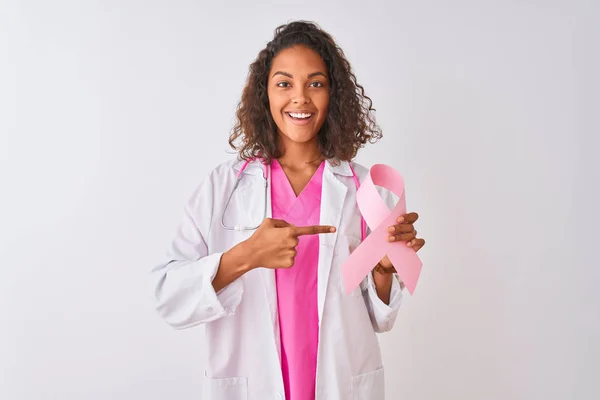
(254, 167)
(342, 167)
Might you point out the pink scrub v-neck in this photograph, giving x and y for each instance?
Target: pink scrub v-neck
(297, 286)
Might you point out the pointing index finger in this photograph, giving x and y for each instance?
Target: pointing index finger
(313, 230)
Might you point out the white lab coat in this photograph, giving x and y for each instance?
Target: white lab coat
(241, 320)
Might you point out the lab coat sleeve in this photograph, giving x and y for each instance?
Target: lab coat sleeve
(182, 283)
(383, 316)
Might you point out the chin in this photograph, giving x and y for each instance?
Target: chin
(301, 138)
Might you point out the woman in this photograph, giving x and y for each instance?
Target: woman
(258, 261)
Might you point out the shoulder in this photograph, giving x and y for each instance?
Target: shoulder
(217, 179)
(229, 167)
(226, 172)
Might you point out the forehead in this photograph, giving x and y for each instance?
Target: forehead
(298, 60)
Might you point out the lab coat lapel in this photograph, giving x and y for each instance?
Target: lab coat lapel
(268, 276)
(332, 202)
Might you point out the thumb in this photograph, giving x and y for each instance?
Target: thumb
(279, 223)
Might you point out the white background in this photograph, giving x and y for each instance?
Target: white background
(111, 112)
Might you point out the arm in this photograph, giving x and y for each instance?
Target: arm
(234, 263)
(383, 284)
(191, 286)
(383, 314)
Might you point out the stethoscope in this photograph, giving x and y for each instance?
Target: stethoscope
(266, 170)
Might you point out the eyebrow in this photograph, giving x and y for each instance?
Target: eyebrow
(309, 75)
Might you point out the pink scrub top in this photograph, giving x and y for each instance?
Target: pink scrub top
(297, 286)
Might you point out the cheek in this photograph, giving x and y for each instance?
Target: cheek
(322, 102)
(276, 104)
(324, 108)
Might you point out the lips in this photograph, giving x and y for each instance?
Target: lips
(300, 115)
(300, 118)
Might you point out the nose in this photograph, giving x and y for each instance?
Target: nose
(300, 96)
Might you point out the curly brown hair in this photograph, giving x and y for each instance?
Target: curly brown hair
(350, 121)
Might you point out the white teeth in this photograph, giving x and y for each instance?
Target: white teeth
(300, 115)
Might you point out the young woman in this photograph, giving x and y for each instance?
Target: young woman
(258, 255)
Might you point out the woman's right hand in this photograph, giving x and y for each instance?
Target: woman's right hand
(273, 244)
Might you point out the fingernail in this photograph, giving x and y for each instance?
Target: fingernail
(332, 229)
(408, 244)
(400, 219)
(391, 238)
(392, 229)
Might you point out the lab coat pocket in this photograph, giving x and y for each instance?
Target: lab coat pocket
(369, 386)
(225, 389)
(345, 245)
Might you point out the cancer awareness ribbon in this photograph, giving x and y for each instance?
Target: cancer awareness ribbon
(379, 217)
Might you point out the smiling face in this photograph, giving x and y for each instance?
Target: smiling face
(298, 90)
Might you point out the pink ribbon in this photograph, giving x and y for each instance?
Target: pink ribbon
(379, 218)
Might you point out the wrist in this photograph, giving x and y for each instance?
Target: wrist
(243, 256)
(250, 253)
(383, 270)
(383, 283)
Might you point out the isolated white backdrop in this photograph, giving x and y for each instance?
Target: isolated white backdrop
(111, 112)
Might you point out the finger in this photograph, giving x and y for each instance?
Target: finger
(293, 242)
(408, 218)
(278, 223)
(416, 244)
(401, 228)
(313, 230)
(288, 262)
(402, 237)
(411, 242)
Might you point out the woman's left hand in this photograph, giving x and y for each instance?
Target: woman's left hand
(403, 231)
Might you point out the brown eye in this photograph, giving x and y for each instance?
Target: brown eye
(316, 84)
(283, 84)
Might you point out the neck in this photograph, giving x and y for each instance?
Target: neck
(299, 156)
